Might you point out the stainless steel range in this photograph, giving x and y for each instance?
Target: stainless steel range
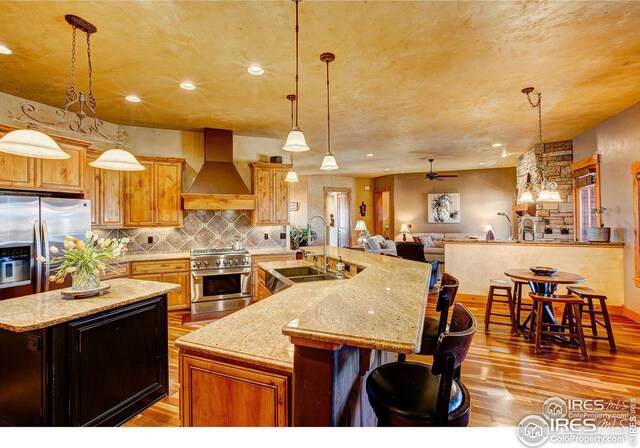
(220, 279)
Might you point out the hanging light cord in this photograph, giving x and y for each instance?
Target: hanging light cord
(297, 30)
(328, 113)
(292, 100)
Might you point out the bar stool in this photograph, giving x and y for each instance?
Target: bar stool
(416, 394)
(571, 320)
(589, 295)
(500, 288)
(517, 298)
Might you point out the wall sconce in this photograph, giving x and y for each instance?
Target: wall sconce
(363, 209)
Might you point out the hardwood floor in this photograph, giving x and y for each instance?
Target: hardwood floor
(506, 379)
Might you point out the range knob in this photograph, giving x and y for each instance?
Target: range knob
(235, 262)
(198, 263)
(225, 262)
(206, 263)
(217, 262)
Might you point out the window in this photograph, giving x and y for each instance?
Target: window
(635, 171)
(586, 195)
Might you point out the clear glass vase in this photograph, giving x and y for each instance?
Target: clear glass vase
(82, 280)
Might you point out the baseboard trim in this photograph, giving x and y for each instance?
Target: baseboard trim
(631, 314)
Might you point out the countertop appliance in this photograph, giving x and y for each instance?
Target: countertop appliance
(29, 226)
(220, 279)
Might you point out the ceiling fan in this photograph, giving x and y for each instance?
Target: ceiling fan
(435, 176)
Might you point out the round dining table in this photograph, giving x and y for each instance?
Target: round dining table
(545, 285)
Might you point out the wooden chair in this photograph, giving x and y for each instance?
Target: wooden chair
(518, 286)
(415, 394)
(571, 326)
(500, 288)
(589, 295)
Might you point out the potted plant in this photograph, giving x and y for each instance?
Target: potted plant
(302, 236)
(600, 234)
(85, 260)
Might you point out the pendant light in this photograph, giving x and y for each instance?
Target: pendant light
(30, 143)
(547, 190)
(117, 160)
(292, 176)
(296, 141)
(329, 161)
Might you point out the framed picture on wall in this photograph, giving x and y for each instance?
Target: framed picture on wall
(294, 206)
(443, 208)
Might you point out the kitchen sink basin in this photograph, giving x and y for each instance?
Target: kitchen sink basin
(312, 278)
(300, 271)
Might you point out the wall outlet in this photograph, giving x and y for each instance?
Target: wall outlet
(283, 235)
(266, 236)
(149, 240)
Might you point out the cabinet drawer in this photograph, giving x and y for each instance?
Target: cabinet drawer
(144, 267)
(122, 271)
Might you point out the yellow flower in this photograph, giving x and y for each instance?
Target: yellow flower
(71, 269)
(41, 259)
(60, 280)
(96, 272)
(53, 249)
(89, 234)
(80, 245)
(69, 238)
(68, 244)
(101, 242)
(52, 278)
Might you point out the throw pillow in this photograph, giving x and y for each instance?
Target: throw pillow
(384, 245)
(373, 243)
(417, 239)
(428, 242)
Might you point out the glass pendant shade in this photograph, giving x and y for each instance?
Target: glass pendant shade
(292, 176)
(117, 160)
(555, 197)
(296, 141)
(545, 196)
(526, 198)
(329, 163)
(30, 143)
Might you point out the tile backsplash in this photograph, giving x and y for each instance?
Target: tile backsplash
(200, 229)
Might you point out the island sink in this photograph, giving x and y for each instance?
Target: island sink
(304, 274)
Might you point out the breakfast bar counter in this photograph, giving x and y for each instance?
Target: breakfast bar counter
(296, 345)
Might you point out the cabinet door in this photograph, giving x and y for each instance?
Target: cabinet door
(179, 300)
(139, 197)
(16, 171)
(168, 186)
(65, 175)
(111, 198)
(219, 394)
(149, 277)
(92, 188)
(280, 197)
(263, 191)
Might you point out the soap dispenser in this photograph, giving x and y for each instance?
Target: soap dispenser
(340, 269)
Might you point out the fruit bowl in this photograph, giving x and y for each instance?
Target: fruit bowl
(543, 270)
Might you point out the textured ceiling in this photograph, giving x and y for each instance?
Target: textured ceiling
(410, 80)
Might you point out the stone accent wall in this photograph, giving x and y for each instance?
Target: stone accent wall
(558, 157)
(201, 229)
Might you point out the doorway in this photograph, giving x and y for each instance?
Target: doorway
(337, 211)
(382, 212)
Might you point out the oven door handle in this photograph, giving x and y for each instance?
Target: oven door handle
(208, 272)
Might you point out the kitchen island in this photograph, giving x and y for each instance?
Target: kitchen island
(300, 357)
(83, 362)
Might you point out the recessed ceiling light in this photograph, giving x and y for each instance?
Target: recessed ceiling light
(255, 69)
(496, 145)
(482, 163)
(5, 50)
(504, 154)
(188, 85)
(132, 99)
(387, 169)
(369, 155)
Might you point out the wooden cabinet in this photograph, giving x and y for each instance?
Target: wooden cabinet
(258, 287)
(216, 393)
(105, 189)
(272, 193)
(152, 196)
(26, 173)
(169, 271)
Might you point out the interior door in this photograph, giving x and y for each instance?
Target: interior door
(342, 221)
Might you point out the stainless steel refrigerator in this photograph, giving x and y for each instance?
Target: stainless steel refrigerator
(29, 225)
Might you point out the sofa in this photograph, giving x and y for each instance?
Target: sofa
(436, 251)
(376, 244)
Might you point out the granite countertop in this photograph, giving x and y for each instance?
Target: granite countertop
(185, 254)
(50, 308)
(537, 243)
(382, 308)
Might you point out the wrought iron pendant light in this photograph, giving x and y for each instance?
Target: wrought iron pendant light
(292, 176)
(296, 141)
(83, 121)
(329, 162)
(547, 191)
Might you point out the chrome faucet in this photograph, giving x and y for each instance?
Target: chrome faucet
(324, 246)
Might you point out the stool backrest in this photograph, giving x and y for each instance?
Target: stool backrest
(457, 340)
(448, 290)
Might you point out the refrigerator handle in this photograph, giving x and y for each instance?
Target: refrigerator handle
(36, 231)
(45, 254)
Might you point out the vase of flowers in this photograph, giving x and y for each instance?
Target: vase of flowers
(600, 234)
(85, 260)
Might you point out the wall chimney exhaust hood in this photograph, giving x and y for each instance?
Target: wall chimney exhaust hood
(218, 185)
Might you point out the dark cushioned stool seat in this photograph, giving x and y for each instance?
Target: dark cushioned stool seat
(417, 397)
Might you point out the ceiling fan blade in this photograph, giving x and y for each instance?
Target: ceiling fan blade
(447, 175)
